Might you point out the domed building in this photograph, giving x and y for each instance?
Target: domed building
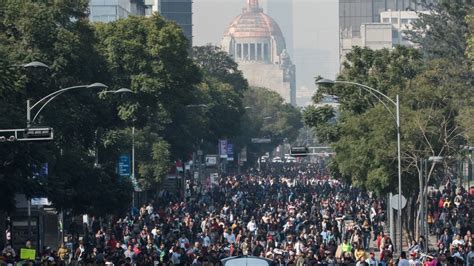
(254, 40)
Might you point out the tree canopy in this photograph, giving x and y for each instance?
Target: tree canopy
(178, 101)
(434, 83)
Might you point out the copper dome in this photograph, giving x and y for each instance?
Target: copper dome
(253, 23)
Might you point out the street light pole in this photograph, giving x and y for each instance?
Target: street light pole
(133, 164)
(399, 211)
(380, 96)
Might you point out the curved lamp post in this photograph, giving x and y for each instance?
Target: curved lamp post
(380, 96)
(48, 98)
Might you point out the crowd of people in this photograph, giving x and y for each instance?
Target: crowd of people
(450, 213)
(289, 214)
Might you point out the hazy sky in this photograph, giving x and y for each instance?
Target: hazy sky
(315, 33)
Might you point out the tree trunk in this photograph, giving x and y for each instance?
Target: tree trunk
(409, 220)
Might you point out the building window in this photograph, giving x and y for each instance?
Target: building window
(394, 34)
(394, 20)
(259, 52)
(404, 21)
(266, 56)
(386, 20)
(238, 51)
(246, 51)
(252, 51)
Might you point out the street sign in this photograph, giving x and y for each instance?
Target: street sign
(124, 165)
(40, 202)
(211, 160)
(261, 140)
(299, 151)
(26, 134)
(223, 148)
(394, 202)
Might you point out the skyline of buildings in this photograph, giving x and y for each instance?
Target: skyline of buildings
(354, 13)
(314, 47)
(375, 24)
(111, 10)
(178, 11)
(181, 12)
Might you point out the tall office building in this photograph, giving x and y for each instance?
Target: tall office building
(282, 12)
(361, 23)
(111, 10)
(179, 11)
(354, 13)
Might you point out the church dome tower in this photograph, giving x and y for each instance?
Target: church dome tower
(254, 36)
(255, 41)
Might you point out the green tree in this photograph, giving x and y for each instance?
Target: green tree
(364, 136)
(222, 90)
(268, 116)
(59, 35)
(442, 32)
(149, 56)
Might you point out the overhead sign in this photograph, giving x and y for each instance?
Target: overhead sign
(261, 140)
(299, 151)
(223, 148)
(124, 165)
(40, 202)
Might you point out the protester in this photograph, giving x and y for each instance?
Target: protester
(293, 214)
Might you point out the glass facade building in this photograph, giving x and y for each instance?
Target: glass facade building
(179, 11)
(354, 13)
(111, 10)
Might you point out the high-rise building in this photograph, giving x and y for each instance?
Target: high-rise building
(282, 12)
(354, 13)
(180, 12)
(361, 23)
(111, 10)
(255, 41)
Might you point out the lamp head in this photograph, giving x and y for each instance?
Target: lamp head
(36, 64)
(97, 86)
(123, 90)
(325, 82)
(202, 105)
